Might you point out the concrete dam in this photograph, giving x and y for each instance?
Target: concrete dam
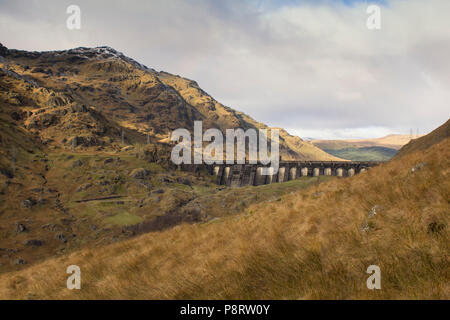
(238, 175)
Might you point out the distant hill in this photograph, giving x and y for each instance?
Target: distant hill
(392, 141)
(363, 154)
(377, 149)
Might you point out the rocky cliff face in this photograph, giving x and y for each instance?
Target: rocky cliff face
(93, 97)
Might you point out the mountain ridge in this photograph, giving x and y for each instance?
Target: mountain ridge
(131, 95)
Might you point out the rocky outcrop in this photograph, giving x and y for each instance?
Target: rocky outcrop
(140, 173)
(123, 92)
(33, 243)
(3, 50)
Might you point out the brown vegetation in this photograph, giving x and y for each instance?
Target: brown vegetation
(315, 243)
(423, 143)
(88, 96)
(91, 124)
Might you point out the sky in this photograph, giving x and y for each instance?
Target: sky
(311, 67)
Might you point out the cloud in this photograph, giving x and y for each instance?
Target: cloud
(312, 67)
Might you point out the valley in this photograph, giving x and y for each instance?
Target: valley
(85, 153)
(314, 243)
(379, 149)
(86, 179)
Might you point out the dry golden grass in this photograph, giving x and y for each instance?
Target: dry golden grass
(309, 245)
(422, 143)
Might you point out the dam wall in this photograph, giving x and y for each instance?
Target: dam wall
(238, 175)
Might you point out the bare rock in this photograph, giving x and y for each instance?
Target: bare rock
(3, 50)
(28, 203)
(139, 173)
(61, 237)
(77, 163)
(20, 227)
(184, 181)
(374, 210)
(418, 167)
(84, 187)
(33, 243)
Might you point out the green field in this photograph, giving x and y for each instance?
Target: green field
(363, 154)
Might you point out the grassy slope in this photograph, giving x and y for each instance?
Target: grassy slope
(308, 244)
(97, 223)
(422, 143)
(42, 97)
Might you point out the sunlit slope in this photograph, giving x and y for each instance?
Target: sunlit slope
(83, 158)
(378, 149)
(121, 93)
(315, 243)
(393, 141)
(216, 115)
(423, 143)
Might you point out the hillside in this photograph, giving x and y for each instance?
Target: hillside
(310, 244)
(84, 158)
(363, 153)
(392, 141)
(109, 93)
(377, 149)
(423, 143)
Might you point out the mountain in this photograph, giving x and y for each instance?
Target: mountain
(88, 96)
(84, 180)
(308, 244)
(84, 158)
(377, 149)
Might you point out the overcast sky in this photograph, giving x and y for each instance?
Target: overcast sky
(311, 67)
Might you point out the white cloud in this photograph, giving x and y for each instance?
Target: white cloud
(313, 67)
